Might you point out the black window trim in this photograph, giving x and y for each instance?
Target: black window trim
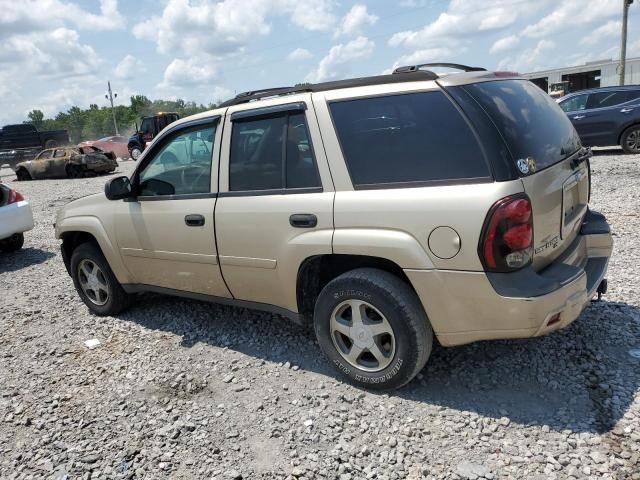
(167, 136)
(276, 191)
(254, 113)
(421, 183)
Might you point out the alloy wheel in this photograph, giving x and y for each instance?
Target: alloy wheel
(93, 282)
(633, 140)
(362, 335)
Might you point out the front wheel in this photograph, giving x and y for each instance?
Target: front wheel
(13, 243)
(372, 327)
(22, 175)
(135, 153)
(95, 282)
(630, 140)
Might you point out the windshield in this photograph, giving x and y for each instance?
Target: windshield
(530, 121)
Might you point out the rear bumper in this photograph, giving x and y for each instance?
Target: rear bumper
(15, 218)
(465, 307)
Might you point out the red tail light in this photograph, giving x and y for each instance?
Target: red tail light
(507, 235)
(14, 197)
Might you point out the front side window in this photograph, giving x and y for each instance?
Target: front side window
(147, 126)
(574, 104)
(272, 153)
(59, 153)
(181, 165)
(407, 138)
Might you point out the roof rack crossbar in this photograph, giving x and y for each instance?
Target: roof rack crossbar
(456, 66)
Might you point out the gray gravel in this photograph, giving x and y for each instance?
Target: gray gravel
(181, 389)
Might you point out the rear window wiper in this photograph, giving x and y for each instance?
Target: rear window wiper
(584, 155)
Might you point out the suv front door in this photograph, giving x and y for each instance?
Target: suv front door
(275, 206)
(166, 236)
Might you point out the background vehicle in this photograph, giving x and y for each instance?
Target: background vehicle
(116, 145)
(558, 90)
(381, 210)
(23, 141)
(149, 128)
(67, 162)
(606, 116)
(15, 219)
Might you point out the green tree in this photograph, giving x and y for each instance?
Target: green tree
(36, 117)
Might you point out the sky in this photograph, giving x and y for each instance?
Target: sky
(58, 53)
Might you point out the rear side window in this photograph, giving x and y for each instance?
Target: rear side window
(529, 120)
(407, 138)
(272, 153)
(606, 99)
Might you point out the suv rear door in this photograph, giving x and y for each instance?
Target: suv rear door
(275, 206)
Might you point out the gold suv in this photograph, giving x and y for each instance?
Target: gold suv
(382, 210)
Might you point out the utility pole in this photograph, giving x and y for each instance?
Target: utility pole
(623, 46)
(112, 95)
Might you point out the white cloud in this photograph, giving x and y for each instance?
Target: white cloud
(40, 15)
(355, 20)
(572, 13)
(530, 59)
(464, 18)
(190, 72)
(299, 54)
(56, 53)
(128, 68)
(332, 64)
(505, 44)
(608, 30)
(225, 27)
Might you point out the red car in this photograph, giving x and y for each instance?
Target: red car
(117, 145)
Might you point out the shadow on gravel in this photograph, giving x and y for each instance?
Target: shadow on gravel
(11, 262)
(580, 379)
(608, 151)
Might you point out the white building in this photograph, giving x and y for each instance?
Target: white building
(601, 73)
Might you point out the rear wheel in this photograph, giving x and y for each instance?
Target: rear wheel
(74, 171)
(372, 327)
(13, 243)
(630, 139)
(23, 175)
(95, 282)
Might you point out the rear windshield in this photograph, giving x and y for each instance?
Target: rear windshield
(409, 138)
(530, 121)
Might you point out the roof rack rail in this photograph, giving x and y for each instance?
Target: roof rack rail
(415, 75)
(456, 66)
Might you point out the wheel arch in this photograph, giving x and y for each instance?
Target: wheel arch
(317, 271)
(634, 123)
(74, 231)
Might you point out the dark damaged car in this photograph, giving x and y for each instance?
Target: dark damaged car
(70, 162)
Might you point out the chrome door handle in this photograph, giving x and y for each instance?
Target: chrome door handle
(578, 117)
(626, 110)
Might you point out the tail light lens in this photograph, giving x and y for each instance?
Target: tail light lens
(14, 197)
(506, 243)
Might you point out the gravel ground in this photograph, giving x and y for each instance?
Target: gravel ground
(182, 389)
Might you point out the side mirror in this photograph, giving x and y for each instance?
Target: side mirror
(118, 188)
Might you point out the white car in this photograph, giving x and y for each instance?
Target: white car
(15, 219)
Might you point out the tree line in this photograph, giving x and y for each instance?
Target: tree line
(96, 122)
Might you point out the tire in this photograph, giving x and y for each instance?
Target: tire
(110, 302)
(13, 243)
(22, 175)
(50, 144)
(74, 171)
(135, 153)
(381, 296)
(630, 140)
